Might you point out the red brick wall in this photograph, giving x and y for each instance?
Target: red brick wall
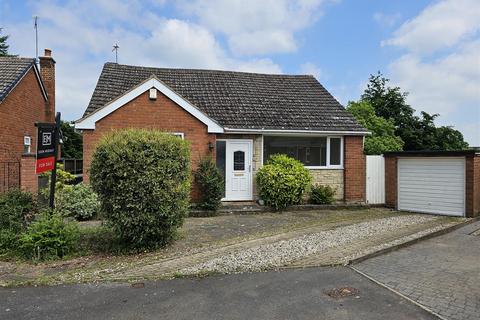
(47, 71)
(24, 106)
(28, 178)
(161, 114)
(355, 169)
(391, 182)
(472, 187)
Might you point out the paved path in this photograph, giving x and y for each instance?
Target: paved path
(292, 294)
(442, 273)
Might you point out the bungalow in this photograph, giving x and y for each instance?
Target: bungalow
(239, 118)
(27, 96)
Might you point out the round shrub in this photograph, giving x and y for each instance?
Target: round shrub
(210, 183)
(322, 194)
(49, 237)
(282, 181)
(142, 178)
(78, 201)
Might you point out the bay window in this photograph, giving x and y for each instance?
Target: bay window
(311, 151)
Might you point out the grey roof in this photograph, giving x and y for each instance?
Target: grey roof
(237, 100)
(12, 69)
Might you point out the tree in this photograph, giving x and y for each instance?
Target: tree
(417, 133)
(72, 146)
(3, 45)
(383, 136)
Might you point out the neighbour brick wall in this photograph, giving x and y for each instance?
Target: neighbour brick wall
(391, 182)
(47, 71)
(28, 178)
(24, 106)
(161, 114)
(354, 169)
(330, 177)
(472, 185)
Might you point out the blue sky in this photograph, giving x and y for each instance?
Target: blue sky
(430, 48)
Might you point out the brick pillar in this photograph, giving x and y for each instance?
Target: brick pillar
(355, 169)
(28, 177)
(391, 182)
(472, 186)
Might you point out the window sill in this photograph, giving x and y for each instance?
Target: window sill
(324, 168)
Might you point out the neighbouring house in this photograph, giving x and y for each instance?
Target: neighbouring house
(238, 118)
(27, 96)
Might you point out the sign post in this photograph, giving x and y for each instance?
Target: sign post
(47, 148)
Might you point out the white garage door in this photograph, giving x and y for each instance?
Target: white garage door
(432, 185)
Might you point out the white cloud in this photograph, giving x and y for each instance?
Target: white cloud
(441, 68)
(81, 35)
(441, 25)
(387, 20)
(256, 27)
(311, 69)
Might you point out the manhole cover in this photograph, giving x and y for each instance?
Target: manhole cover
(138, 285)
(342, 292)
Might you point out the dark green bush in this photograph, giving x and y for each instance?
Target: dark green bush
(8, 242)
(142, 178)
(282, 181)
(320, 194)
(17, 208)
(49, 237)
(210, 183)
(78, 201)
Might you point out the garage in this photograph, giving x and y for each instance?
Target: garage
(432, 185)
(434, 182)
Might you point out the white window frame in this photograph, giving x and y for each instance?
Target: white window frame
(27, 142)
(328, 165)
(178, 134)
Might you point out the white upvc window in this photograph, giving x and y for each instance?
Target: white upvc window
(178, 134)
(27, 144)
(321, 152)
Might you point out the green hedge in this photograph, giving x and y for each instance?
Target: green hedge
(210, 183)
(282, 181)
(142, 178)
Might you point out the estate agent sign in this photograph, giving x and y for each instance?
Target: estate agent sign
(45, 147)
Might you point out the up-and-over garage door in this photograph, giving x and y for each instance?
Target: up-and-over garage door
(432, 185)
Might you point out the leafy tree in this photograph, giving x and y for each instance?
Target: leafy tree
(72, 146)
(383, 136)
(3, 45)
(417, 133)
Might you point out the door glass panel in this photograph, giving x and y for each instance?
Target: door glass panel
(239, 160)
(220, 159)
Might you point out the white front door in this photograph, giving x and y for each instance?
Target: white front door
(238, 170)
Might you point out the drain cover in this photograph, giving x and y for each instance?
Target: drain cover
(342, 292)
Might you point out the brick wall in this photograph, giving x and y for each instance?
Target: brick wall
(354, 169)
(24, 106)
(161, 114)
(472, 185)
(28, 178)
(391, 182)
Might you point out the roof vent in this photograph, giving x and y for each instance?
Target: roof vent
(153, 94)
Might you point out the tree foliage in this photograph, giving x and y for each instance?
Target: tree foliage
(3, 45)
(417, 132)
(72, 146)
(383, 136)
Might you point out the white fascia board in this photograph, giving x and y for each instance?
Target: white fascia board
(297, 132)
(89, 121)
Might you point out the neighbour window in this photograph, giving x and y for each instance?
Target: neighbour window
(177, 134)
(27, 143)
(311, 151)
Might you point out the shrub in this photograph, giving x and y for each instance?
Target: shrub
(142, 178)
(17, 208)
(322, 194)
(78, 201)
(282, 181)
(8, 241)
(211, 184)
(49, 237)
(64, 180)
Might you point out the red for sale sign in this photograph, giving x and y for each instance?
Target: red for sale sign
(45, 147)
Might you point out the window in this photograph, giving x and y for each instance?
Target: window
(177, 134)
(239, 161)
(27, 143)
(311, 151)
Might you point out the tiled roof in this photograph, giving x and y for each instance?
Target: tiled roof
(237, 100)
(12, 69)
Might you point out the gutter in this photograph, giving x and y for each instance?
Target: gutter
(294, 132)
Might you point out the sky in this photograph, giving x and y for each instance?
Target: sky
(429, 48)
